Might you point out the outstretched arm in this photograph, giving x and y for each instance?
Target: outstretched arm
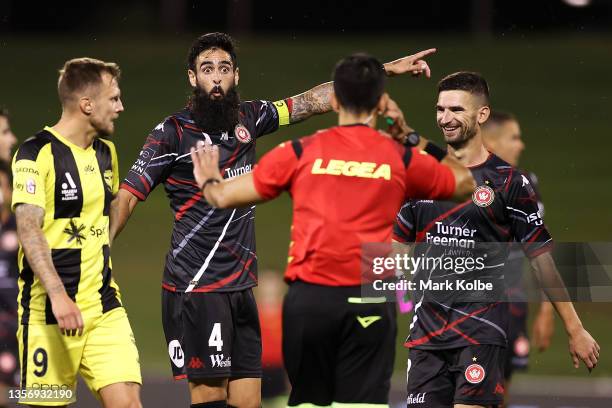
(581, 345)
(318, 99)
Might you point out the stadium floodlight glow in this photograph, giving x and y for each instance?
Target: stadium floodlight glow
(577, 3)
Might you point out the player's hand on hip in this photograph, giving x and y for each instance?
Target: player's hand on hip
(415, 64)
(68, 315)
(205, 157)
(582, 346)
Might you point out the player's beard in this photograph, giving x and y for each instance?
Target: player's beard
(215, 115)
(469, 131)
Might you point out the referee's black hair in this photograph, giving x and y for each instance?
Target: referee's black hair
(359, 82)
(471, 82)
(205, 42)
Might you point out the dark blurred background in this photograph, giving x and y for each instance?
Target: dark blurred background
(547, 61)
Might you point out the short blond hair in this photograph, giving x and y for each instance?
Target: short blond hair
(79, 73)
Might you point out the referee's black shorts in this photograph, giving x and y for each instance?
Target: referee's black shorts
(337, 346)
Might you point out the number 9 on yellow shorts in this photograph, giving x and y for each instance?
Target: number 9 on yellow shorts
(105, 354)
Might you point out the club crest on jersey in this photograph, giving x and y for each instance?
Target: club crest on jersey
(483, 196)
(242, 134)
(474, 374)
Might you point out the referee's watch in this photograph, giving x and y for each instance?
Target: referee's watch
(412, 139)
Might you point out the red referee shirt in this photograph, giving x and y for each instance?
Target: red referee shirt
(347, 184)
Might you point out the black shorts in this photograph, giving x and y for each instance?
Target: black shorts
(336, 349)
(471, 375)
(212, 335)
(517, 353)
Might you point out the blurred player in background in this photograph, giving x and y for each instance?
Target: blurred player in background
(71, 317)
(269, 295)
(338, 347)
(7, 138)
(458, 338)
(211, 266)
(9, 351)
(501, 135)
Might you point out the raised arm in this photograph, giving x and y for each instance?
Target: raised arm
(36, 248)
(121, 208)
(318, 99)
(581, 345)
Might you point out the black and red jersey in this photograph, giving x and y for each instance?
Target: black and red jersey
(212, 247)
(503, 209)
(347, 185)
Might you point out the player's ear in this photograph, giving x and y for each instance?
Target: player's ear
(192, 78)
(335, 105)
(86, 105)
(483, 114)
(236, 76)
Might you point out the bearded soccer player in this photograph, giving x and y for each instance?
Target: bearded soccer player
(338, 348)
(458, 337)
(501, 135)
(209, 313)
(71, 317)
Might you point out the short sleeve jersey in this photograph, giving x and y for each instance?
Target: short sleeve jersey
(347, 184)
(211, 248)
(503, 209)
(75, 187)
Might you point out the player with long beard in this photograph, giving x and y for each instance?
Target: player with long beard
(208, 310)
(458, 338)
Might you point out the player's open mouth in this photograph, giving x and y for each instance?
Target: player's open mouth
(216, 92)
(450, 128)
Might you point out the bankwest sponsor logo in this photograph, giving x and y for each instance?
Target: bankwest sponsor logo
(217, 360)
(416, 399)
(352, 169)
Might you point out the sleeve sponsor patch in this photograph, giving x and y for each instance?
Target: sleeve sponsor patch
(142, 162)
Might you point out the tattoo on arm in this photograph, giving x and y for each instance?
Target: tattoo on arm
(312, 102)
(36, 248)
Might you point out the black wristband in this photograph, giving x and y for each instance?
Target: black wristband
(209, 181)
(412, 139)
(435, 151)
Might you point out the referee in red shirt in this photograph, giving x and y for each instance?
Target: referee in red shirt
(347, 184)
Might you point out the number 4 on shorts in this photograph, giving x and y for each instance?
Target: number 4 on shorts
(215, 337)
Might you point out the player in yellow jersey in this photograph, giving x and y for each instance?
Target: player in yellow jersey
(71, 317)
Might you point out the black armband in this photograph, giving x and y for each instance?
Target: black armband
(435, 151)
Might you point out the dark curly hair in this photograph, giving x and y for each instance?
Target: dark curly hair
(205, 42)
